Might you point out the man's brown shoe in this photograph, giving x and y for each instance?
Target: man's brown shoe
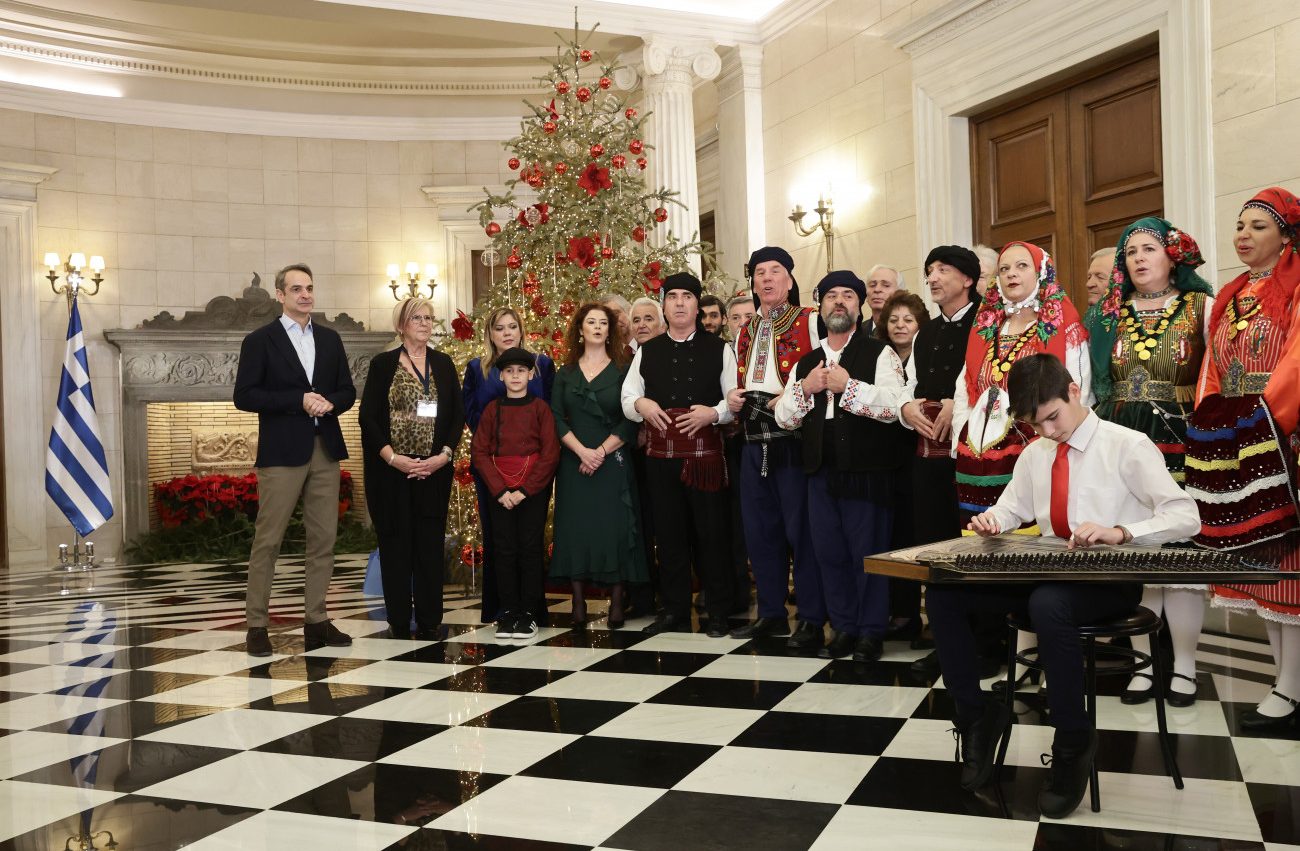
(324, 634)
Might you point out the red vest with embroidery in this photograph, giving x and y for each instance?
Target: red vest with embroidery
(793, 340)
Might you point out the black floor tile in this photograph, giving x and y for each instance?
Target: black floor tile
(1057, 836)
(725, 693)
(1278, 810)
(129, 766)
(619, 639)
(931, 786)
(707, 822)
(431, 839)
(173, 824)
(550, 715)
(869, 674)
(868, 736)
(140, 718)
(499, 680)
(652, 662)
(457, 653)
(1127, 752)
(626, 762)
(134, 685)
(416, 795)
(361, 739)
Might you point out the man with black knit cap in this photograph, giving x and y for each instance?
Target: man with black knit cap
(677, 385)
(845, 395)
(774, 489)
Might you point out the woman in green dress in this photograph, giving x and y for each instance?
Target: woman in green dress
(597, 537)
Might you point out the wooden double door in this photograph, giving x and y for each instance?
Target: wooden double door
(1069, 167)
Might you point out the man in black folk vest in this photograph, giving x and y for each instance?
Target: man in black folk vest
(677, 385)
(294, 375)
(845, 396)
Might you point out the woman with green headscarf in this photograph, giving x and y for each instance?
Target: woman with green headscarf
(1148, 337)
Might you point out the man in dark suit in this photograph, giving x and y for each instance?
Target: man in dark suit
(294, 375)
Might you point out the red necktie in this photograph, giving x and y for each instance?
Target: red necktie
(1061, 492)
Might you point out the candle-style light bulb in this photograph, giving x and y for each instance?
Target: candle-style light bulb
(431, 272)
(77, 261)
(392, 271)
(96, 263)
(52, 260)
(412, 268)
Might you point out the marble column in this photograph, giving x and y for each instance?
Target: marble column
(668, 69)
(740, 220)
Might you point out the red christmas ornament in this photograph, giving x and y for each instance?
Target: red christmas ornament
(530, 287)
(492, 229)
(566, 310)
(549, 127)
(618, 161)
(534, 336)
(604, 82)
(584, 55)
(513, 162)
(561, 168)
(607, 253)
(636, 146)
(629, 113)
(562, 87)
(594, 280)
(463, 476)
(539, 306)
(514, 262)
(641, 163)
(596, 150)
(638, 234)
(558, 337)
(661, 215)
(583, 93)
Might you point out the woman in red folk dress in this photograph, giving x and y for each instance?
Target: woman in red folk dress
(1241, 439)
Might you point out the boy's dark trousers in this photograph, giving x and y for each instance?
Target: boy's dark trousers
(519, 537)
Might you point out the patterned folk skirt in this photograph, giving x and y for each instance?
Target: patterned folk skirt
(1241, 474)
(982, 478)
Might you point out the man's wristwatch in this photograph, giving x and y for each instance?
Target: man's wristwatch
(1128, 536)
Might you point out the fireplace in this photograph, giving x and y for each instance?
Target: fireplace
(178, 377)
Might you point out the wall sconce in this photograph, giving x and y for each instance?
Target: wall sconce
(825, 217)
(86, 842)
(412, 284)
(72, 273)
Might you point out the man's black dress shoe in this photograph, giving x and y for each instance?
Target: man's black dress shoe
(868, 649)
(324, 634)
(927, 665)
(258, 643)
(806, 637)
(428, 633)
(978, 744)
(399, 632)
(717, 628)
(762, 628)
(1071, 769)
(666, 623)
(840, 645)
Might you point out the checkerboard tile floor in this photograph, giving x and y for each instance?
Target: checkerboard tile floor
(127, 704)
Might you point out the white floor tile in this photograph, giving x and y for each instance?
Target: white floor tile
(205, 639)
(387, 673)
(759, 668)
(25, 807)
(431, 706)
(1217, 808)
(253, 779)
(630, 688)
(236, 728)
(41, 709)
(213, 663)
(482, 749)
(1204, 718)
(1268, 760)
(225, 691)
(847, 699)
(463, 616)
(827, 778)
(56, 677)
(370, 648)
(275, 831)
(550, 810)
(355, 627)
(59, 653)
(552, 658)
(487, 635)
(879, 829)
(1237, 690)
(690, 642)
(29, 750)
(662, 722)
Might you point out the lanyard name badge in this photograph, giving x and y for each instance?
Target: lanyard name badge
(424, 407)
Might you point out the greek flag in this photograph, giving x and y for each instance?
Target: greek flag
(76, 471)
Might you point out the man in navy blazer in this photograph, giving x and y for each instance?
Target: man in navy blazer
(294, 375)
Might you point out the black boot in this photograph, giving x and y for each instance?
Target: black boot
(1071, 769)
(979, 743)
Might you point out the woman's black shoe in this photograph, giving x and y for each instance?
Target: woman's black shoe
(1178, 698)
(1136, 696)
(613, 623)
(1253, 720)
(906, 631)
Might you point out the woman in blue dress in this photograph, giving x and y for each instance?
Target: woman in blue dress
(502, 330)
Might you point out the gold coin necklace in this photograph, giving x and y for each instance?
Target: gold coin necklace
(1240, 322)
(1000, 366)
(1143, 341)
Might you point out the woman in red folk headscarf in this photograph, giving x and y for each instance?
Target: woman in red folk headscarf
(1242, 440)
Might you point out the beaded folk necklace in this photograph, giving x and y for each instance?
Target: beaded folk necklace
(1144, 341)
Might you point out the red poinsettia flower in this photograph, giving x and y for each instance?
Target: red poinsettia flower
(462, 326)
(582, 250)
(1182, 249)
(594, 178)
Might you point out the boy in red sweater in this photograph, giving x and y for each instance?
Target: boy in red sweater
(515, 452)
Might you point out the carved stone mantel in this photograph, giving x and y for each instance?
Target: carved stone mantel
(195, 359)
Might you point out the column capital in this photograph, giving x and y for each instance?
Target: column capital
(742, 69)
(669, 59)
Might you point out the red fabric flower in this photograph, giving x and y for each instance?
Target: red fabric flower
(462, 326)
(582, 250)
(594, 178)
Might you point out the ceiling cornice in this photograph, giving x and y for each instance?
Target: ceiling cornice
(223, 119)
